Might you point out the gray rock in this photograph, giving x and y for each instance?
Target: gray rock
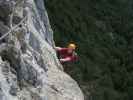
(3, 28)
(29, 67)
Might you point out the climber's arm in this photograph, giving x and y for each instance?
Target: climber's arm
(63, 60)
(59, 49)
(69, 59)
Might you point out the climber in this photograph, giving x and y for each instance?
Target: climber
(67, 54)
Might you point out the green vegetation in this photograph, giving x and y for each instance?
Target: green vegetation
(103, 31)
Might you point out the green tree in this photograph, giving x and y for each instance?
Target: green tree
(103, 31)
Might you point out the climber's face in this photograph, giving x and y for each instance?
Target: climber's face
(71, 50)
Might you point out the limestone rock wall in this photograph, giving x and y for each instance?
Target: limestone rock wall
(29, 68)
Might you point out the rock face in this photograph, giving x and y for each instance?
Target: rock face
(29, 68)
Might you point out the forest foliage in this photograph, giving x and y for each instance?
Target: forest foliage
(103, 32)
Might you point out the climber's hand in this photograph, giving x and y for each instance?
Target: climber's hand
(58, 48)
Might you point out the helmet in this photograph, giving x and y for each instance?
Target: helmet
(72, 46)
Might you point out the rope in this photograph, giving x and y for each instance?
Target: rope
(13, 28)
